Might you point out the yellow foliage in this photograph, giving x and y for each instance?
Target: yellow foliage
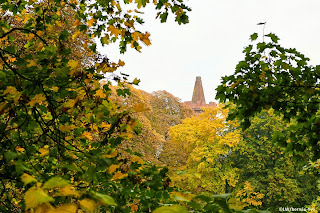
(68, 208)
(26, 178)
(68, 191)
(88, 205)
(43, 152)
(37, 99)
(137, 159)
(118, 175)
(111, 155)
(36, 196)
(202, 143)
(31, 63)
(44, 208)
(145, 38)
(114, 31)
(113, 168)
(140, 107)
(248, 196)
(100, 93)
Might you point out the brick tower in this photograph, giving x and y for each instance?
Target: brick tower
(198, 99)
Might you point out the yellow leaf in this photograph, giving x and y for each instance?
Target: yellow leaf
(135, 36)
(76, 23)
(112, 155)
(100, 93)
(10, 90)
(88, 205)
(37, 99)
(134, 207)
(45, 207)
(145, 38)
(70, 103)
(68, 208)
(43, 152)
(141, 107)
(68, 191)
(90, 22)
(182, 197)
(2, 106)
(76, 35)
(67, 128)
(40, 47)
(136, 81)
(26, 178)
(137, 159)
(113, 168)
(87, 135)
(20, 149)
(121, 63)
(72, 64)
(114, 31)
(118, 175)
(35, 196)
(31, 63)
(55, 89)
(234, 85)
(105, 126)
(40, 33)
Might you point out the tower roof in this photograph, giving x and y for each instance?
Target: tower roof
(198, 95)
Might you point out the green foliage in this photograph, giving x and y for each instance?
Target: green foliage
(273, 76)
(267, 169)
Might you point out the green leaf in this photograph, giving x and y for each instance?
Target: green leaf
(171, 209)
(254, 36)
(163, 17)
(64, 35)
(55, 182)
(104, 199)
(273, 37)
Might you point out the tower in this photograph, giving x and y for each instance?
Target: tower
(198, 99)
(198, 95)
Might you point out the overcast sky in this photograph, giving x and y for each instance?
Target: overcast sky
(211, 45)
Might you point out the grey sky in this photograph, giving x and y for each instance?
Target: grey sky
(211, 45)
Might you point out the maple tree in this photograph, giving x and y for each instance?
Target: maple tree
(269, 178)
(155, 113)
(202, 145)
(59, 131)
(271, 76)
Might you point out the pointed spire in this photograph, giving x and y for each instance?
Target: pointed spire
(198, 95)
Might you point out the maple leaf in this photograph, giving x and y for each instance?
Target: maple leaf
(100, 93)
(37, 99)
(119, 175)
(68, 191)
(55, 182)
(141, 107)
(90, 22)
(26, 178)
(43, 152)
(112, 155)
(113, 168)
(114, 31)
(87, 135)
(68, 208)
(36, 196)
(31, 63)
(88, 205)
(145, 38)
